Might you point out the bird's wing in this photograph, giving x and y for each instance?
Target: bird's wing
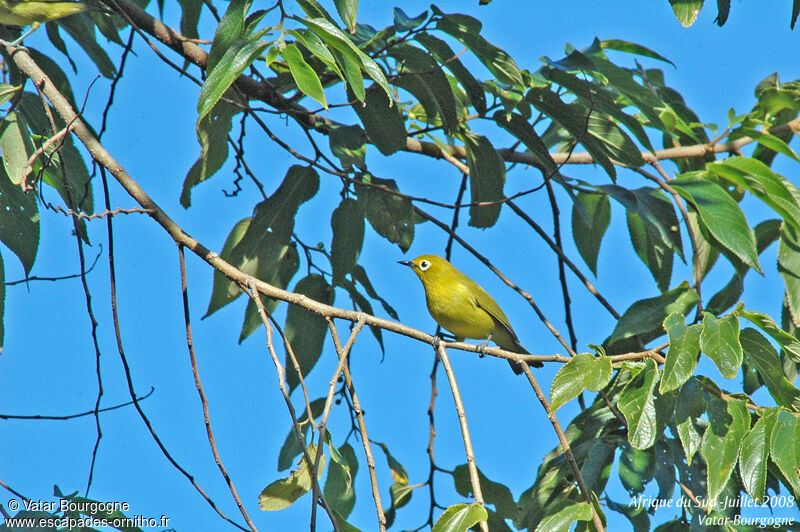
(485, 302)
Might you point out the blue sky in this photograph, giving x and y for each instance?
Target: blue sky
(48, 363)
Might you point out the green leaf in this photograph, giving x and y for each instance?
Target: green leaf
(304, 76)
(582, 372)
(237, 58)
(405, 23)
(644, 318)
(729, 422)
(348, 10)
(562, 514)
(460, 518)
(19, 221)
(224, 290)
(347, 223)
(522, 130)
(759, 353)
(212, 134)
(754, 456)
(339, 486)
(789, 268)
(494, 493)
(720, 342)
(636, 468)
(771, 188)
(632, 48)
(442, 52)
(305, 330)
(15, 145)
(391, 216)
(284, 492)
(279, 276)
(637, 405)
(788, 342)
(348, 143)
(466, 30)
(690, 405)
(337, 39)
(721, 215)
(591, 214)
(767, 141)
(291, 447)
(382, 121)
(415, 64)
(572, 117)
(84, 35)
(399, 474)
(651, 249)
(785, 447)
(487, 175)
(682, 354)
(311, 42)
(686, 11)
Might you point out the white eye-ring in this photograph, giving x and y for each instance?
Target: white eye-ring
(424, 265)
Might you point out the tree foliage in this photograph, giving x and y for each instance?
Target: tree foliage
(433, 86)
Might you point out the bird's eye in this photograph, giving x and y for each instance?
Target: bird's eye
(424, 265)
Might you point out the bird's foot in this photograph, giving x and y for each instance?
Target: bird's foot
(483, 346)
(436, 341)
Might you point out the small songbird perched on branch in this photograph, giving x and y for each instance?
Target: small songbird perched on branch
(461, 306)
(34, 12)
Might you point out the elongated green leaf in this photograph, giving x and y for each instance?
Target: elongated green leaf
(573, 119)
(406, 23)
(644, 318)
(238, 57)
(467, 30)
(311, 42)
(339, 40)
(19, 221)
(636, 468)
(304, 76)
(785, 447)
(720, 342)
(348, 10)
(494, 493)
(360, 276)
(522, 130)
(591, 214)
(284, 492)
(787, 341)
(561, 516)
(305, 330)
(15, 146)
(632, 48)
(772, 142)
(759, 353)
(382, 121)
(582, 372)
(729, 422)
(789, 268)
(755, 454)
(224, 290)
(721, 215)
(460, 518)
(363, 304)
(654, 252)
(278, 276)
(84, 35)
(391, 216)
(442, 52)
(686, 11)
(617, 143)
(637, 405)
(212, 134)
(229, 30)
(690, 405)
(347, 224)
(339, 486)
(487, 175)
(771, 188)
(682, 355)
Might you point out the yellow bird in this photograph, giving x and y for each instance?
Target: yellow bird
(33, 12)
(461, 306)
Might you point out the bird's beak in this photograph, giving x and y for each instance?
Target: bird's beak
(406, 263)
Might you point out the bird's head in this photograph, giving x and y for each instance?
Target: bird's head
(428, 267)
